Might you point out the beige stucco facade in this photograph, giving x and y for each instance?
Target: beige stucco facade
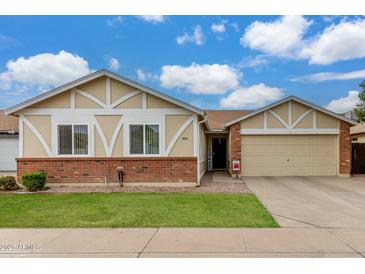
(107, 106)
(184, 144)
(296, 111)
(59, 101)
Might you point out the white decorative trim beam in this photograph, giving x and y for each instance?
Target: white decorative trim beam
(99, 111)
(38, 135)
(178, 133)
(91, 97)
(125, 98)
(265, 119)
(314, 118)
(144, 100)
(107, 90)
(114, 137)
(290, 114)
(278, 118)
(72, 99)
(309, 111)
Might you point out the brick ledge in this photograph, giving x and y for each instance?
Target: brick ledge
(21, 159)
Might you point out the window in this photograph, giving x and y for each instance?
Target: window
(144, 139)
(72, 139)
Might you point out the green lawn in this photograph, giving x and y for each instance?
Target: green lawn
(133, 210)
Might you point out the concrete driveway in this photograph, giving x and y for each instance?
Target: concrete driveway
(332, 202)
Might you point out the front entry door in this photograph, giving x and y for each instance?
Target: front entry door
(358, 158)
(219, 153)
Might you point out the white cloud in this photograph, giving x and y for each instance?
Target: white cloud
(113, 64)
(328, 76)
(253, 62)
(282, 37)
(155, 19)
(113, 22)
(343, 41)
(253, 97)
(201, 79)
(46, 69)
(235, 26)
(344, 104)
(143, 76)
(220, 28)
(197, 37)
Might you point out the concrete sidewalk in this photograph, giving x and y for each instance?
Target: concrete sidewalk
(183, 242)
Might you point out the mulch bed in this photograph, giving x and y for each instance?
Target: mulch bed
(207, 185)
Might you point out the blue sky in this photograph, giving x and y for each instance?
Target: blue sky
(212, 62)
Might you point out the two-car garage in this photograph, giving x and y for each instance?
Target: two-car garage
(288, 155)
(293, 137)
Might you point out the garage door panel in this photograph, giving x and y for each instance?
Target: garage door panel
(286, 155)
(9, 151)
(285, 149)
(292, 160)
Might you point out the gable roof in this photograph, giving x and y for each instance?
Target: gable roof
(294, 98)
(360, 128)
(217, 118)
(8, 123)
(93, 76)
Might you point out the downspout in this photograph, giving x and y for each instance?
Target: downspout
(198, 164)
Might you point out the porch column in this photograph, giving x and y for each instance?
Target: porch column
(235, 147)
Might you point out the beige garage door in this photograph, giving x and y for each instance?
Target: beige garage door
(284, 155)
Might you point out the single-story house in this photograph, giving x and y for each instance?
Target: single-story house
(9, 143)
(103, 125)
(358, 133)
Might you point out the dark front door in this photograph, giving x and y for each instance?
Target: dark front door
(358, 158)
(219, 153)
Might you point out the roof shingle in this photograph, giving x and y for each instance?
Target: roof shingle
(217, 118)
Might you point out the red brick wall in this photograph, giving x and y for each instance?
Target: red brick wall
(235, 143)
(95, 169)
(345, 148)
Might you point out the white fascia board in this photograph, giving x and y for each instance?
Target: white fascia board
(53, 92)
(294, 98)
(93, 76)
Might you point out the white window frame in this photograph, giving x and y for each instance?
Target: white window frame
(144, 147)
(72, 126)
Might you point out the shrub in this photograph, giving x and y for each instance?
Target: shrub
(34, 181)
(8, 183)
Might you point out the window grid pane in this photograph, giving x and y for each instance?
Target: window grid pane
(151, 139)
(64, 139)
(80, 140)
(136, 139)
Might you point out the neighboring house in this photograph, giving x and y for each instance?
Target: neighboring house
(358, 148)
(88, 130)
(358, 133)
(9, 143)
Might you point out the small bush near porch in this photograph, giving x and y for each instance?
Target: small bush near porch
(133, 210)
